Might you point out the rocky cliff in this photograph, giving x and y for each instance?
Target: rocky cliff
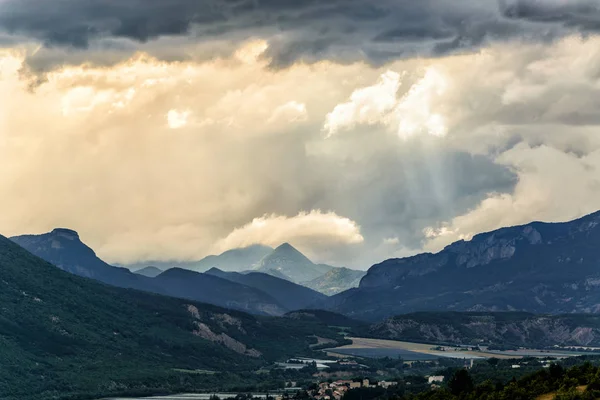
(538, 267)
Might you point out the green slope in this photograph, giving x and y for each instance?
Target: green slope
(62, 335)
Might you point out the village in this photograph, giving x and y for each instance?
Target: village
(335, 389)
(335, 378)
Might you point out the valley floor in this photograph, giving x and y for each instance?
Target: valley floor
(411, 351)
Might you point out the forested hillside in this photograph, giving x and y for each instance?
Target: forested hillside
(64, 336)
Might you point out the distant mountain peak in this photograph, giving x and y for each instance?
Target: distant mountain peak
(149, 271)
(66, 233)
(289, 252)
(289, 263)
(285, 246)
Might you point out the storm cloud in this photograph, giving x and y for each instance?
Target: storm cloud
(169, 130)
(307, 30)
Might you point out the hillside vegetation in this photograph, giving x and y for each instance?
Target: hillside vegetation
(64, 336)
(498, 329)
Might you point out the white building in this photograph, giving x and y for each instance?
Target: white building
(435, 378)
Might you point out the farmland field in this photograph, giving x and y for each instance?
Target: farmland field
(383, 352)
(377, 348)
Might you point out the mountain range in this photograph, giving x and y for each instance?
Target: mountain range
(548, 268)
(65, 336)
(234, 260)
(336, 281)
(64, 248)
(288, 294)
(284, 262)
(150, 272)
(537, 267)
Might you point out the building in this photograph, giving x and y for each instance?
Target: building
(294, 364)
(435, 378)
(385, 384)
(365, 383)
(342, 383)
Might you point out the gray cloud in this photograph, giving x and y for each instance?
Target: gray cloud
(309, 30)
(397, 191)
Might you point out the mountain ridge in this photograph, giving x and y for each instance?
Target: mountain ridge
(336, 281)
(233, 260)
(537, 267)
(149, 271)
(289, 294)
(63, 248)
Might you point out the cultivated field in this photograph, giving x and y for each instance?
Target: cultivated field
(377, 348)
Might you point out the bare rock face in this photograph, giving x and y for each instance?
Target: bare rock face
(538, 268)
(482, 250)
(225, 321)
(486, 248)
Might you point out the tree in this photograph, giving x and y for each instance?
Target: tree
(556, 371)
(461, 382)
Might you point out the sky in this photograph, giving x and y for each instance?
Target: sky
(356, 130)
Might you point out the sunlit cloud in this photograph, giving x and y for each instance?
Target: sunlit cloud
(307, 230)
(409, 115)
(415, 112)
(368, 105)
(177, 119)
(291, 111)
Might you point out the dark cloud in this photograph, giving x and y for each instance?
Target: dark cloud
(309, 30)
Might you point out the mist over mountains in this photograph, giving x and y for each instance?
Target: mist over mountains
(538, 267)
(63, 248)
(234, 260)
(284, 262)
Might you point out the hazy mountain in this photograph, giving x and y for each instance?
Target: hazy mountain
(272, 272)
(336, 281)
(290, 295)
(538, 267)
(189, 284)
(284, 262)
(63, 248)
(499, 329)
(63, 336)
(288, 261)
(150, 271)
(235, 260)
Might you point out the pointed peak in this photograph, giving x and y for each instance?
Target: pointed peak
(66, 233)
(285, 247)
(287, 252)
